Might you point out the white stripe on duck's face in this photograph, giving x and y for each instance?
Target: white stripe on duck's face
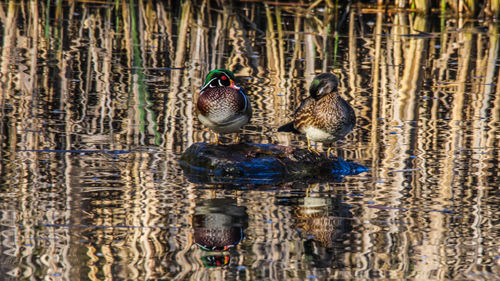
(208, 84)
(221, 80)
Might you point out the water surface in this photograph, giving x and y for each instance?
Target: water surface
(97, 107)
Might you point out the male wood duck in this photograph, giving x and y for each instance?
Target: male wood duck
(222, 105)
(323, 116)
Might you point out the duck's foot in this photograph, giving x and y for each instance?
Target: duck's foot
(311, 149)
(329, 153)
(314, 150)
(308, 191)
(217, 141)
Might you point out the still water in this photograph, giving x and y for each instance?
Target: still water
(97, 108)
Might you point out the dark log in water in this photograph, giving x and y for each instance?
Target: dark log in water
(246, 163)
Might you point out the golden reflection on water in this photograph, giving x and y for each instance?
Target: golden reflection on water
(97, 106)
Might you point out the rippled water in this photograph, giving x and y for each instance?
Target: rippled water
(97, 108)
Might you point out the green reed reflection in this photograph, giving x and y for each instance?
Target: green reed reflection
(144, 102)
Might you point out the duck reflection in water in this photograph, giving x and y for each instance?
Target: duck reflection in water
(219, 226)
(324, 224)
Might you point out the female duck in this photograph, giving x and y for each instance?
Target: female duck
(324, 116)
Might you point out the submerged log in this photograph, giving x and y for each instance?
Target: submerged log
(247, 163)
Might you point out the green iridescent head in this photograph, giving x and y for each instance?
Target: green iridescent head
(323, 84)
(215, 260)
(217, 73)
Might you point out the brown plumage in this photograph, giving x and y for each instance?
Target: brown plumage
(323, 116)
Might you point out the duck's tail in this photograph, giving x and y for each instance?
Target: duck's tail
(288, 127)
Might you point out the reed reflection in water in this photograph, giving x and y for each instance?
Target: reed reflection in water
(97, 107)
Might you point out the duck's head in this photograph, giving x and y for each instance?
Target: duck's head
(323, 84)
(219, 78)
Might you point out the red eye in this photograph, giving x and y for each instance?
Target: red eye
(223, 78)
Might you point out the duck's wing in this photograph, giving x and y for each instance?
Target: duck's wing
(304, 115)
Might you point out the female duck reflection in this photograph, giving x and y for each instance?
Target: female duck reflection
(323, 223)
(219, 226)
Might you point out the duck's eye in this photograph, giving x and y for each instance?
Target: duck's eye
(224, 81)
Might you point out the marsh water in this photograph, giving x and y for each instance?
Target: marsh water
(97, 107)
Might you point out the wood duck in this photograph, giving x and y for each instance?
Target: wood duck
(222, 105)
(323, 116)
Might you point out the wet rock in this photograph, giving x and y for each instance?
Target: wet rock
(247, 163)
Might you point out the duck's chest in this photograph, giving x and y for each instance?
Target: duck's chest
(218, 102)
(329, 122)
(316, 134)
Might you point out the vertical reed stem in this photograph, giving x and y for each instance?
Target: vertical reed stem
(495, 8)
